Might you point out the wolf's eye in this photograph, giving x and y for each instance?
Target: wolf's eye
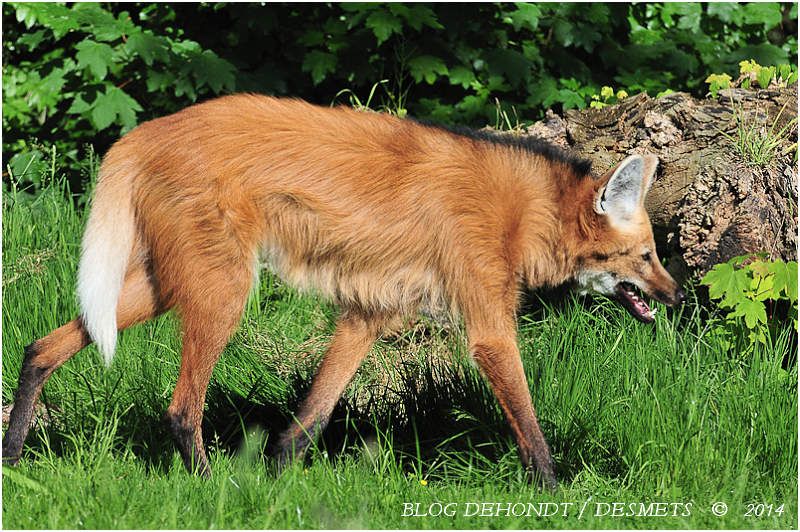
(647, 256)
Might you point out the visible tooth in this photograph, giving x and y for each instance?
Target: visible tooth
(653, 312)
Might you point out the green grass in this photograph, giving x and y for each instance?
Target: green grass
(758, 142)
(633, 414)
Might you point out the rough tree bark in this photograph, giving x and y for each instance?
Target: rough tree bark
(708, 203)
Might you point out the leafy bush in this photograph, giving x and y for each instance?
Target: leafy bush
(606, 97)
(72, 66)
(751, 72)
(83, 73)
(755, 294)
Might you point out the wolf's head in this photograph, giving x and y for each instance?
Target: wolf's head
(619, 257)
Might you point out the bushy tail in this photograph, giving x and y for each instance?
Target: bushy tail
(105, 252)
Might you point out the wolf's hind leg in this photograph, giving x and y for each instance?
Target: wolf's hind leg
(210, 305)
(138, 302)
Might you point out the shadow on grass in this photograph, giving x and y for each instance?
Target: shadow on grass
(437, 410)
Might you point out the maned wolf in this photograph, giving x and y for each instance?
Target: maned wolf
(384, 216)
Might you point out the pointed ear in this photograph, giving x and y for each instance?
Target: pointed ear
(622, 193)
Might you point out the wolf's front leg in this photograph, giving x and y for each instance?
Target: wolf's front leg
(495, 350)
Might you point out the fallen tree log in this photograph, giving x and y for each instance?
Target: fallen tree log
(709, 202)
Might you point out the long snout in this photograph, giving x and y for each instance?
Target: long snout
(677, 298)
(666, 290)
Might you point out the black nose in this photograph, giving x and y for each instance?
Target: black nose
(680, 295)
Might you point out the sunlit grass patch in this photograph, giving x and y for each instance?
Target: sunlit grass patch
(633, 414)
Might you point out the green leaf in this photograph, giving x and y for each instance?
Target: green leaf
(764, 54)
(717, 82)
(159, 81)
(426, 15)
(186, 47)
(780, 277)
(667, 10)
(785, 72)
(32, 40)
(791, 281)
(532, 52)
(471, 104)
(763, 288)
(28, 166)
(754, 312)
(570, 99)
(689, 14)
(543, 92)
(760, 268)
(102, 115)
(723, 10)
(496, 84)
(95, 57)
(210, 69)
(746, 67)
(58, 18)
(25, 14)
(514, 66)
(766, 13)
(319, 64)
(101, 23)
(764, 76)
(47, 90)
(757, 335)
(690, 19)
(597, 13)
(563, 32)
(724, 281)
(147, 46)
(526, 16)
(416, 15)
(79, 106)
(185, 87)
(460, 75)
(740, 259)
(114, 106)
(312, 38)
(427, 67)
(383, 24)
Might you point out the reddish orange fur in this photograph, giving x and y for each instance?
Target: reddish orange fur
(379, 214)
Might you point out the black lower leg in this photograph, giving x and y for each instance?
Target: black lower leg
(539, 464)
(294, 442)
(189, 444)
(31, 381)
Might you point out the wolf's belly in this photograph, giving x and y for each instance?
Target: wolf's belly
(390, 288)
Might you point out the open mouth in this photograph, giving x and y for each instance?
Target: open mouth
(627, 296)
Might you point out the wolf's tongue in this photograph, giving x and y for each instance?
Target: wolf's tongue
(634, 304)
(638, 303)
